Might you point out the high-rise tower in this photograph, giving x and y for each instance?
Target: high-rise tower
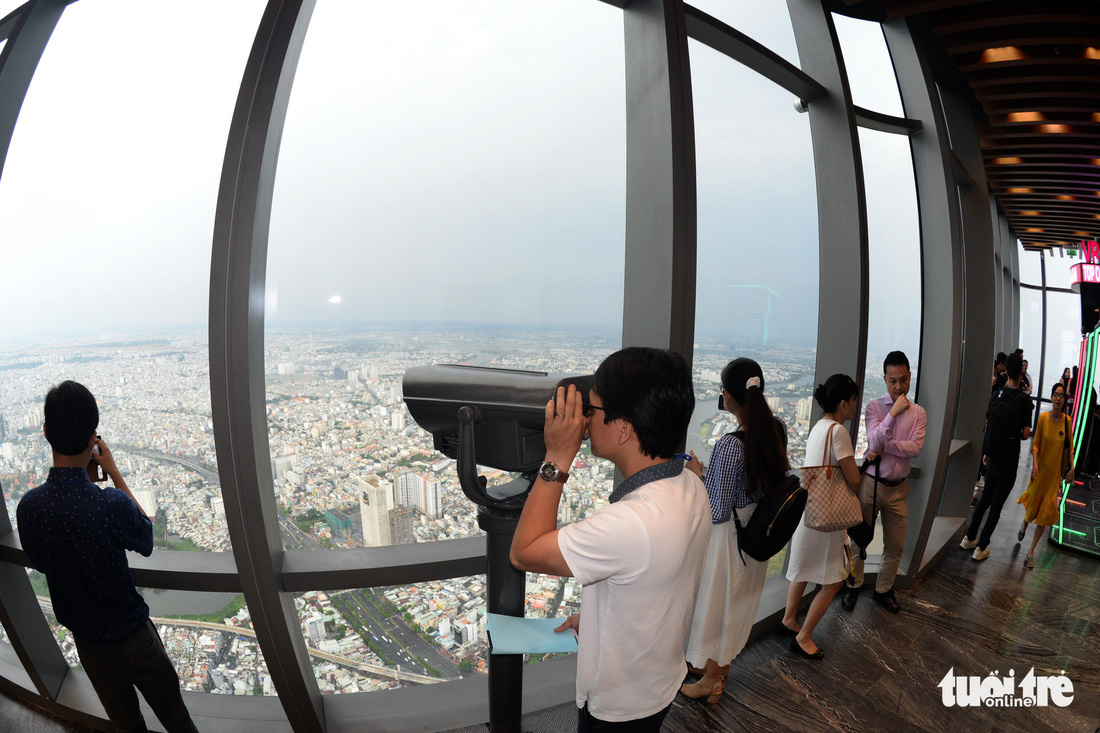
(375, 503)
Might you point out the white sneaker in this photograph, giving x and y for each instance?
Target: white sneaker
(980, 483)
(980, 554)
(968, 544)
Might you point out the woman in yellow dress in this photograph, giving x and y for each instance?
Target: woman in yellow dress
(1040, 501)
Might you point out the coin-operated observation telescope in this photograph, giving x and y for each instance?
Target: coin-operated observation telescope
(491, 417)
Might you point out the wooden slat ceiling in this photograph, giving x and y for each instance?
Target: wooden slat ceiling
(1034, 68)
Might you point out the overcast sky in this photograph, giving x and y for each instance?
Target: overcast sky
(471, 168)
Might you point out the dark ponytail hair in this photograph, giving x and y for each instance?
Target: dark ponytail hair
(837, 389)
(765, 450)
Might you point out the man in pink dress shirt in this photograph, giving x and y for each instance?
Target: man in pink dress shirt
(895, 434)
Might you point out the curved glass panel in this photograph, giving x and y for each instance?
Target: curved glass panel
(465, 205)
(868, 65)
(769, 24)
(894, 261)
(1030, 272)
(208, 637)
(757, 209)
(1063, 318)
(371, 639)
(1031, 335)
(107, 199)
(1058, 268)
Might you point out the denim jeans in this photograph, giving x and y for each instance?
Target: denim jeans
(999, 481)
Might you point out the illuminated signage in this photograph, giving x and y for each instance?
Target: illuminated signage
(1089, 270)
(1084, 272)
(1090, 252)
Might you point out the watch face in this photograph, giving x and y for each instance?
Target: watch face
(548, 471)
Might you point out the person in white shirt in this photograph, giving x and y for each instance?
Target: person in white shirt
(1025, 380)
(639, 558)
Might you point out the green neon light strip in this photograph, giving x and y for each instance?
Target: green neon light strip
(1073, 531)
(1084, 394)
(1088, 356)
(1085, 359)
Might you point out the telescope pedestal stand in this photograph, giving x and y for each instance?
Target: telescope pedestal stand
(505, 593)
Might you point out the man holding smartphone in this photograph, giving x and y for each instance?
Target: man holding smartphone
(639, 559)
(77, 534)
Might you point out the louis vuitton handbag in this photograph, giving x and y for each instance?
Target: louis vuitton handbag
(830, 504)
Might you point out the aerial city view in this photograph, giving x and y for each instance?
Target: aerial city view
(350, 468)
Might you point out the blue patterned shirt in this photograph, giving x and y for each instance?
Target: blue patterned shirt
(77, 534)
(727, 481)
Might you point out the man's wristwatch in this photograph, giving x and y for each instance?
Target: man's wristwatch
(548, 471)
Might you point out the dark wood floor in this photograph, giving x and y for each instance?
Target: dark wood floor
(881, 671)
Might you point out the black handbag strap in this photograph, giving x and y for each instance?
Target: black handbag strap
(863, 471)
(737, 528)
(874, 495)
(739, 435)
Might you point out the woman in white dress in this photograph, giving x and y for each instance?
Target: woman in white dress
(743, 467)
(818, 557)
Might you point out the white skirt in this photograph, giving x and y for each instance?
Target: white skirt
(727, 599)
(816, 557)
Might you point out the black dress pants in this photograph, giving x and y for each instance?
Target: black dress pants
(586, 723)
(138, 661)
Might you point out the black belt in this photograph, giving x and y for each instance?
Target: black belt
(892, 483)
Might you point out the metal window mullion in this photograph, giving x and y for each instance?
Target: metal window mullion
(27, 31)
(238, 401)
(659, 295)
(1042, 335)
(731, 42)
(841, 203)
(941, 281)
(1014, 270)
(979, 293)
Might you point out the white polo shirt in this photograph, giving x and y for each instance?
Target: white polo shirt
(639, 561)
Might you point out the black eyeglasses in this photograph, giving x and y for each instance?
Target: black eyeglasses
(589, 410)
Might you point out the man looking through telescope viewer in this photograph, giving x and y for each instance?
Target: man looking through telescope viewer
(639, 559)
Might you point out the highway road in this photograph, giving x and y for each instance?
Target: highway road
(372, 669)
(293, 538)
(400, 644)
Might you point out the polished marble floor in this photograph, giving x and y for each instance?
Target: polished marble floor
(881, 672)
(18, 718)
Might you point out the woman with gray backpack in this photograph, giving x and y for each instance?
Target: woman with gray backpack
(746, 467)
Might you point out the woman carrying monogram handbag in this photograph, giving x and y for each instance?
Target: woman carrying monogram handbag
(816, 556)
(1052, 462)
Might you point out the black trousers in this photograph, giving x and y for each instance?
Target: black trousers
(649, 724)
(137, 661)
(999, 481)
